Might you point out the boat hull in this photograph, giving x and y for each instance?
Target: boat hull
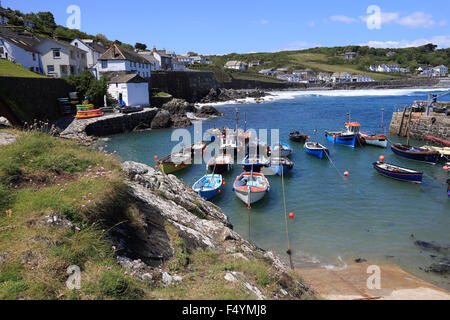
(209, 191)
(319, 153)
(220, 168)
(254, 196)
(422, 156)
(376, 140)
(169, 168)
(402, 176)
(250, 194)
(343, 140)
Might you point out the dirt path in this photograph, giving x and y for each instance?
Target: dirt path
(351, 283)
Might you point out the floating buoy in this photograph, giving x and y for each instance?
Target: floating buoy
(446, 168)
(381, 158)
(219, 191)
(291, 215)
(346, 173)
(156, 157)
(308, 137)
(243, 167)
(224, 184)
(157, 167)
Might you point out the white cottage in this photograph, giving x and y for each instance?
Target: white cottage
(94, 50)
(15, 49)
(236, 65)
(117, 59)
(154, 63)
(3, 16)
(60, 59)
(132, 89)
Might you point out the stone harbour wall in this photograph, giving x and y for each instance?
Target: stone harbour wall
(437, 125)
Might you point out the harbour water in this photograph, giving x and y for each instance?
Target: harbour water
(336, 219)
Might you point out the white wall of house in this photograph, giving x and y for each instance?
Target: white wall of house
(69, 61)
(3, 20)
(91, 55)
(28, 60)
(143, 69)
(133, 94)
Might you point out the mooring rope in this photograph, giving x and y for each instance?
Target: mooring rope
(334, 165)
(289, 251)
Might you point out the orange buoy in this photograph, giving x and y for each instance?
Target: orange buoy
(381, 158)
(156, 157)
(157, 167)
(291, 215)
(219, 191)
(334, 137)
(446, 168)
(308, 137)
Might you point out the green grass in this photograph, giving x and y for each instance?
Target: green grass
(7, 68)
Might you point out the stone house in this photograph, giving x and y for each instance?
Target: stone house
(236, 65)
(130, 88)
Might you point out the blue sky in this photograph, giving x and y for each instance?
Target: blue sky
(218, 27)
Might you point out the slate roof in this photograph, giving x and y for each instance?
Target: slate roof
(117, 53)
(16, 39)
(127, 78)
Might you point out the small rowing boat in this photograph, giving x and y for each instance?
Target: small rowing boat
(220, 163)
(281, 165)
(398, 173)
(196, 148)
(209, 186)
(175, 162)
(211, 135)
(347, 137)
(444, 151)
(316, 149)
(87, 114)
(298, 137)
(377, 140)
(251, 187)
(255, 163)
(414, 153)
(281, 150)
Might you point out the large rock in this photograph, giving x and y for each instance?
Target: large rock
(208, 112)
(222, 95)
(179, 106)
(162, 120)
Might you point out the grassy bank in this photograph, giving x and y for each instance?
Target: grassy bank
(9, 69)
(58, 200)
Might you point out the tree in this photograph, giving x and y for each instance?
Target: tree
(87, 85)
(47, 20)
(140, 46)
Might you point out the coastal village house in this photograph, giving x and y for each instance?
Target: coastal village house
(236, 65)
(304, 74)
(440, 71)
(267, 72)
(154, 63)
(201, 60)
(94, 50)
(117, 59)
(177, 65)
(132, 89)
(324, 76)
(255, 63)
(350, 55)
(164, 59)
(15, 49)
(361, 78)
(186, 60)
(60, 59)
(389, 68)
(339, 77)
(3, 16)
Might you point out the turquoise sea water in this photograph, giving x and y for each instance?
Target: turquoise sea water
(364, 216)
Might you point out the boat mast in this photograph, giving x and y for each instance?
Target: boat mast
(382, 121)
(409, 126)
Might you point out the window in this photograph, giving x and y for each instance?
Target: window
(56, 53)
(34, 57)
(1, 50)
(50, 68)
(104, 64)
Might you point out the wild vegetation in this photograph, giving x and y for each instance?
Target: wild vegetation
(87, 85)
(10, 69)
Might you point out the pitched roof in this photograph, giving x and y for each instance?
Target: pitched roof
(148, 56)
(16, 39)
(127, 78)
(118, 53)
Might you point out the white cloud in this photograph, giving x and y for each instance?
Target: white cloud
(344, 19)
(440, 41)
(264, 21)
(417, 19)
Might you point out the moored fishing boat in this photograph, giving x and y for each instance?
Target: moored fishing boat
(175, 162)
(220, 163)
(448, 188)
(196, 148)
(280, 150)
(377, 140)
(297, 136)
(211, 135)
(209, 186)
(255, 162)
(347, 137)
(414, 153)
(398, 173)
(444, 151)
(280, 165)
(316, 149)
(251, 187)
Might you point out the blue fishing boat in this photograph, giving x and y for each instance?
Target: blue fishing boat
(399, 173)
(280, 165)
(349, 137)
(448, 188)
(281, 150)
(209, 186)
(255, 163)
(414, 153)
(316, 149)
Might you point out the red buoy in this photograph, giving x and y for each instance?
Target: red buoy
(381, 158)
(446, 168)
(156, 157)
(219, 191)
(291, 215)
(346, 173)
(157, 167)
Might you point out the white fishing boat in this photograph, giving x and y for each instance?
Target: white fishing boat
(444, 151)
(220, 163)
(251, 187)
(377, 140)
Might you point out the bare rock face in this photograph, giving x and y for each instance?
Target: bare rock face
(179, 106)
(162, 120)
(222, 95)
(208, 112)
